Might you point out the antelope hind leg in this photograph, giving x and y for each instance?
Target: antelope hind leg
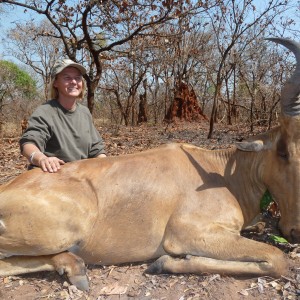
(240, 258)
(227, 253)
(200, 265)
(64, 262)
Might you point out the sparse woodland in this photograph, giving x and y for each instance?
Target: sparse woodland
(140, 54)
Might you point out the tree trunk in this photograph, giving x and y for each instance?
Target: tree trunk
(142, 116)
(214, 111)
(90, 94)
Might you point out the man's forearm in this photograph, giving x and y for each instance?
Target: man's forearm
(32, 153)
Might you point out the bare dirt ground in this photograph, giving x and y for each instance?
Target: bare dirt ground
(129, 281)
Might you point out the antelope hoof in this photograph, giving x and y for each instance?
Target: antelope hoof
(80, 281)
(158, 266)
(74, 267)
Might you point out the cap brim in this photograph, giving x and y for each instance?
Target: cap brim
(77, 66)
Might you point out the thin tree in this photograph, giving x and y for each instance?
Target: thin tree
(38, 52)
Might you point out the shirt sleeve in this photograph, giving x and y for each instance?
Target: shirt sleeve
(37, 132)
(97, 144)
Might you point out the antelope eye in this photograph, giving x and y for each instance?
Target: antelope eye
(282, 150)
(283, 154)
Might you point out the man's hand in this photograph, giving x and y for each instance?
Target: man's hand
(39, 159)
(50, 164)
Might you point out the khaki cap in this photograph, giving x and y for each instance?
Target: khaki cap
(62, 64)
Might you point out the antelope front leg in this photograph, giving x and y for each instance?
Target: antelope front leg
(74, 267)
(64, 262)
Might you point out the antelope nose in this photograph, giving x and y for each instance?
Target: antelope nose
(295, 236)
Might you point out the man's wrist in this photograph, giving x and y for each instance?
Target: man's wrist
(31, 157)
(35, 158)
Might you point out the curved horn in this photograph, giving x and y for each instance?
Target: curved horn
(290, 94)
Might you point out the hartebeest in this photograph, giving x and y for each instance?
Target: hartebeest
(181, 204)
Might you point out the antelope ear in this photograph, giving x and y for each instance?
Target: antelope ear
(254, 146)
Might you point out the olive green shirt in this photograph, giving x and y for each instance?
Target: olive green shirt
(68, 135)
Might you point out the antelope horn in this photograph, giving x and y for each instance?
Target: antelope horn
(290, 94)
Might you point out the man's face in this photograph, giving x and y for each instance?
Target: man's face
(69, 83)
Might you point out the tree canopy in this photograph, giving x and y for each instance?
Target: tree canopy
(15, 82)
(88, 29)
(17, 92)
